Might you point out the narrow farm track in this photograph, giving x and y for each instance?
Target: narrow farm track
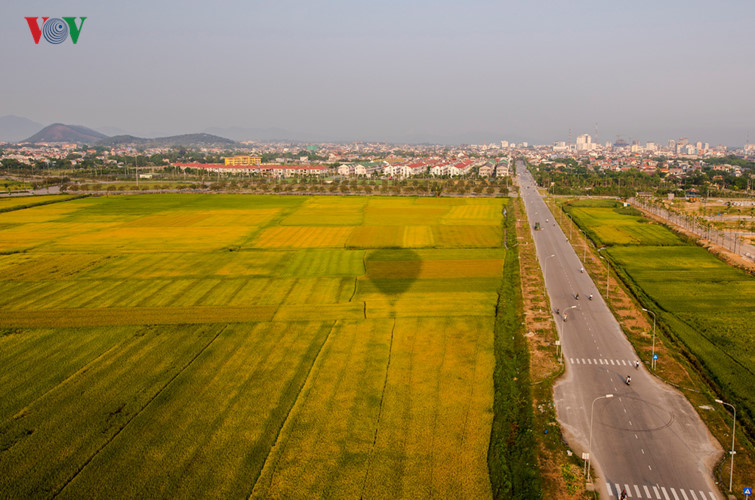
(286, 421)
(55, 493)
(380, 413)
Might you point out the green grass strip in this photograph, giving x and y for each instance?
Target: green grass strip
(512, 459)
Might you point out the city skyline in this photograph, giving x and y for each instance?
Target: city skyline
(426, 72)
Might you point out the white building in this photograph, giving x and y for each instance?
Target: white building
(584, 142)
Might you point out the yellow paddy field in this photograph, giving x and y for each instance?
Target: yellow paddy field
(191, 346)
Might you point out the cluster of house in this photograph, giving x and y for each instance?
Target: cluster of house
(434, 167)
(262, 169)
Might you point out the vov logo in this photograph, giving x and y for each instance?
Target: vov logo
(55, 30)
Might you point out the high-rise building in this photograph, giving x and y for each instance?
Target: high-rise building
(584, 142)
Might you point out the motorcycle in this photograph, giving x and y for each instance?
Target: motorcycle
(628, 380)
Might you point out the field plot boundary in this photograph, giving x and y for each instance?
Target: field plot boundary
(138, 412)
(135, 316)
(271, 454)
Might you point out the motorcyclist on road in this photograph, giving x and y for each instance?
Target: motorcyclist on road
(637, 364)
(581, 269)
(590, 297)
(623, 495)
(576, 296)
(629, 380)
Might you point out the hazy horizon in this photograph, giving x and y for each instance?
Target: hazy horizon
(441, 72)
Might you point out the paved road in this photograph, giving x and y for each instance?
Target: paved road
(647, 438)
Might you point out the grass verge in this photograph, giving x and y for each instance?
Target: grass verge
(512, 456)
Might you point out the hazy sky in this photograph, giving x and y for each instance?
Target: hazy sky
(389, 70)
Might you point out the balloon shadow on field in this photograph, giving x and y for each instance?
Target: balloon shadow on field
(392, 272)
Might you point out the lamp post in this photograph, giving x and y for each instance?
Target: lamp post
(608, 273)
(733, 431)
(567, 309)
(652, 363)
(589, 450)
(545, 263)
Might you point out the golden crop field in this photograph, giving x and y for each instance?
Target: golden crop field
(183, 345)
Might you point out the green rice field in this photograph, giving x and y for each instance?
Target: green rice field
(705, 303)
(237, 346)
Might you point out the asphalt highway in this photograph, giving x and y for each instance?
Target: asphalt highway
(646, 438)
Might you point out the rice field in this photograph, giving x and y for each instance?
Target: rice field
(248, 346)
(609, 225)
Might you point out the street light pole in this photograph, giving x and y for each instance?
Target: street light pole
(608, 273)
(652, 363)
(589, 450)
(733, 431)
(545, 263)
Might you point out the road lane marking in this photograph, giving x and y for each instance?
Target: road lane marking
(712, 496)
(589, 362)
(637, 488)
(664, 493)
(642, 450)
(647, 491)
(657, 495)
(684, 494)
(676, 497)
(693, 495)
(611, 361)
(628, 490)
(610, 489)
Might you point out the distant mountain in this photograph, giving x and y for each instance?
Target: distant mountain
(58, 132)
(111, 131)
(186, 140)
(14, 128)
(252, 134)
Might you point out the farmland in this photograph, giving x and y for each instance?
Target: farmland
(183, 345)
(706, 304)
